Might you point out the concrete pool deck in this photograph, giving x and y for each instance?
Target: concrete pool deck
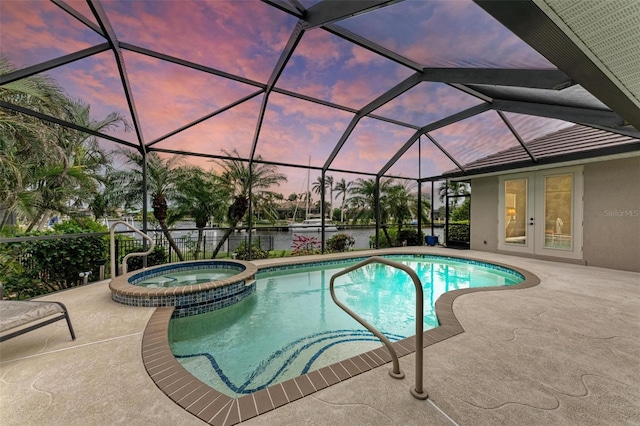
(566, 351)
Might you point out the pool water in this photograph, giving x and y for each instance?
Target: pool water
(291, 326)
(198, 276)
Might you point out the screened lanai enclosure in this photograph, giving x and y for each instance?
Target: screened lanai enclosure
(321, 92)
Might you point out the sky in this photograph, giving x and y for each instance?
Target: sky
(245, 38)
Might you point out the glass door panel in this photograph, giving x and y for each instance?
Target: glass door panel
(558, 212)
(515, 212)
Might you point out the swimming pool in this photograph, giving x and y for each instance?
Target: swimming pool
(175, 279)
(290, 326)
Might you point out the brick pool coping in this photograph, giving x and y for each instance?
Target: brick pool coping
(216, 408)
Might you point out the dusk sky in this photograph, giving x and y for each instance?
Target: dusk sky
(245, 39)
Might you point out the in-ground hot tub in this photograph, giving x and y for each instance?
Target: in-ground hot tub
(192, 287)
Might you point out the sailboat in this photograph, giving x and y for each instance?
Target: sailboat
(311, 224)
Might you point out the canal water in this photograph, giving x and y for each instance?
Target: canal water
(282, 239)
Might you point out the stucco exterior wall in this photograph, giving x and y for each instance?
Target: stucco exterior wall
(612, 214)
(484, 214)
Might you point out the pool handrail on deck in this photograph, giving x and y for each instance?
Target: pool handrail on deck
(112, 246)
(417, 391)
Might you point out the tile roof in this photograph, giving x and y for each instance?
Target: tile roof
(563, 145)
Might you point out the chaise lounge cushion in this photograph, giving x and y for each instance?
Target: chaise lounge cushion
(16, 313)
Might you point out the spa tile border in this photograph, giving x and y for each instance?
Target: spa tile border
(190, 299)
(215, 408)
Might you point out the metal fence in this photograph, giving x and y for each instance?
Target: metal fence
(189, 247)
(17, 249)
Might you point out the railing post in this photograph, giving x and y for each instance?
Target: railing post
(204, 246)
(114, 273)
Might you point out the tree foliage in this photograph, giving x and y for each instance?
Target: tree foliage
(340, 242)
(242, 180)
(162, 176)
(46, 167)
(54, 264)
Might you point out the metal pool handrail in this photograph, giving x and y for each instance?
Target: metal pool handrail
(417, 391)
(112, 247)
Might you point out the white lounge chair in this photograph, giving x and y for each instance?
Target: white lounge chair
(14, 314)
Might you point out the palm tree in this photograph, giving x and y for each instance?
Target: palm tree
(240, 180)
(200, 196)
(328, 180)
(266, 203)
(402, 204)
(26, 143)
(452, 188)
(363, 197)
(317, 185)
(318, 188)
(46, 167)
(162, 177)
(73, 179)
(342, 187)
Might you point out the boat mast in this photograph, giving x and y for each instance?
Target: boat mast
(306, 216)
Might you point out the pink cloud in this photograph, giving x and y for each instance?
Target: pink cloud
(432, 162)
(233, 129)
(362, 57)
(476, 137)
(169, 96)
(371, 145)
(309, 110)
(226, 35)
(478, 41)
(319, 48)
(353, 93)
(35, 31)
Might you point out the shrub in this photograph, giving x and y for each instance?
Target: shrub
(393, 234)
(303, 245)
(157, 257)
(459, 232)
(340, 243)
(54, 264)
(17, 284)
(242, 252)
(411, 236)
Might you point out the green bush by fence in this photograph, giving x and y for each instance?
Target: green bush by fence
(411, 236)
(157, 257)
(242, 251)
(459, 231)
(50, 265)
(339, 243)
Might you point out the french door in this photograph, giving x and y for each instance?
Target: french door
(541, 213)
